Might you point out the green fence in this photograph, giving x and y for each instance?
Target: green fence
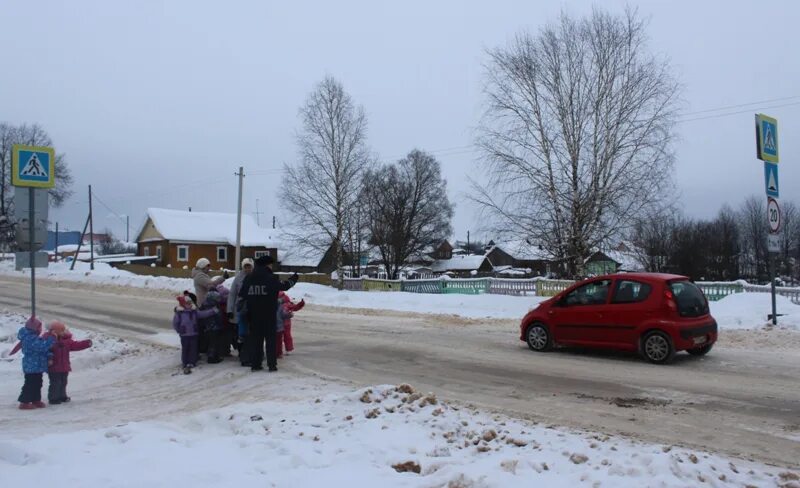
(718, 291)
(423, 286)
(466, 287)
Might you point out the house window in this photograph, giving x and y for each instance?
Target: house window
(222, 254)
(258, 254)
(146, 251)
(158, 253)
(183, 253)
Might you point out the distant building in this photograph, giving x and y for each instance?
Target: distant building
(462, 266)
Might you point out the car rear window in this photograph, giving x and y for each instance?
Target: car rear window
(689, 298)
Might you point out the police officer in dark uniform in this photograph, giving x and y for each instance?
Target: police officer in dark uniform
(260, 291)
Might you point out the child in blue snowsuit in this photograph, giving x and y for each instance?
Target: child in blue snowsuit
(36, 353)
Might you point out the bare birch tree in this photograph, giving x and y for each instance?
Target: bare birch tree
(322, 188)
(576, 136)
(408, 208)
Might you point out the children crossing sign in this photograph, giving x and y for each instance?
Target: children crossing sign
(766, 138)
(33, 166)
(771, 180)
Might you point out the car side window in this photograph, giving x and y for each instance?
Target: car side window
(594, 293)
(628, 291)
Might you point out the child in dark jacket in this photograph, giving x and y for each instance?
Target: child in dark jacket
(185, 323)
(212, 325)
(36, 352)
(58, 371)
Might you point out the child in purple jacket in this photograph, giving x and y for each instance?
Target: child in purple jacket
(185, 324)
(59, 368)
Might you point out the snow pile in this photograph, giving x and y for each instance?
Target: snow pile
(471, 306)
(750, 311)
(104, 348)
(103, 274)
(380, 436)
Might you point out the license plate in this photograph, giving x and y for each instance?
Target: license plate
(699, 340)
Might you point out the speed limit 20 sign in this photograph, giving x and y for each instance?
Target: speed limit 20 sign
(773, 215)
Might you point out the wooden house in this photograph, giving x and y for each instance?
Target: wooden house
(179, 238)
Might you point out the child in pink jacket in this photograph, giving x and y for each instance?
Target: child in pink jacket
(285, 336)
(59, 365)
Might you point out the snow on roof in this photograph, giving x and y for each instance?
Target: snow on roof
(521, 250)
(211, 227)
(298, 255)
(458, 263)
(627, 260)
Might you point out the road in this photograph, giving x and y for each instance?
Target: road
(740, 400)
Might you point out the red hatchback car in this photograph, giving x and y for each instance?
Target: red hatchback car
(654, 314)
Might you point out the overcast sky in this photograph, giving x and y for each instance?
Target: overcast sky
(156, 103)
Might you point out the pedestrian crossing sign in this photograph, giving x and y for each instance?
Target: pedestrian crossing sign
(33, 166)
(767, 138)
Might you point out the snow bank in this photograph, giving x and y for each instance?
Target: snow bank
(750, 310)
(104, 348)
(379, 436)
(472, 306)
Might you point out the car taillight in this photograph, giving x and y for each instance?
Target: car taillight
(670, 300)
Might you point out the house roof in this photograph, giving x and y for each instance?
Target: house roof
(459, 263)
(521, 250)
(210, 227)
(299, 255)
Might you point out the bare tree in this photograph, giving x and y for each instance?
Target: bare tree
(652, 240)
(577, 133)
(408, 208)
(323, 187)
(753, 229)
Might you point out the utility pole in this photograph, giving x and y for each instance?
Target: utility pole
(469, 251)
(240, 174)
(91, 232)
(127, 229)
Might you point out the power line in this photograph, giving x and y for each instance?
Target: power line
(772, 100)
(714, 116)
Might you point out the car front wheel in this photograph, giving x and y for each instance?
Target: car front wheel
(538, 337)
(700, 351)
(657, 347)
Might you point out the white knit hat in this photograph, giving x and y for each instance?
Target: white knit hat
(247, 262)
(203, 263)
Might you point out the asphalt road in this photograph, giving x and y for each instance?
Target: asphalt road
(742, 399)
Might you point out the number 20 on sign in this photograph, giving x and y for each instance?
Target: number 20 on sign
(774, 215)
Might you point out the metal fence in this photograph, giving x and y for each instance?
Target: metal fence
(536, 287)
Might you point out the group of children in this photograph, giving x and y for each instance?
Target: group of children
(45, 353)
(207, 329)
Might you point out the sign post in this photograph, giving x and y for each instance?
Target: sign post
(33, 168)
(767, 151)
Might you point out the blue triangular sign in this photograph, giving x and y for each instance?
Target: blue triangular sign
(771, 180)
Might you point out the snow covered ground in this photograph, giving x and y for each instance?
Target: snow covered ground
(738, 311)
(302, 431)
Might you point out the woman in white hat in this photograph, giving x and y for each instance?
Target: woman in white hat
(234, 314)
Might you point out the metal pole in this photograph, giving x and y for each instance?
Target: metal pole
(31, 225)
(80, 241)
(56, 248)
(239, 221)
(91, 232)
(772, 287)
(127, 229)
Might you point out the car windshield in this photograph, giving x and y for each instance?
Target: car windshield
(689, 298)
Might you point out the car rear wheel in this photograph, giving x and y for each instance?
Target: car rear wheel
(700, 351)
(657, 347)
(538, 337)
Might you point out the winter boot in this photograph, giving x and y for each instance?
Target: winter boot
(39, 404)
(26, 406)
(187, 370)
